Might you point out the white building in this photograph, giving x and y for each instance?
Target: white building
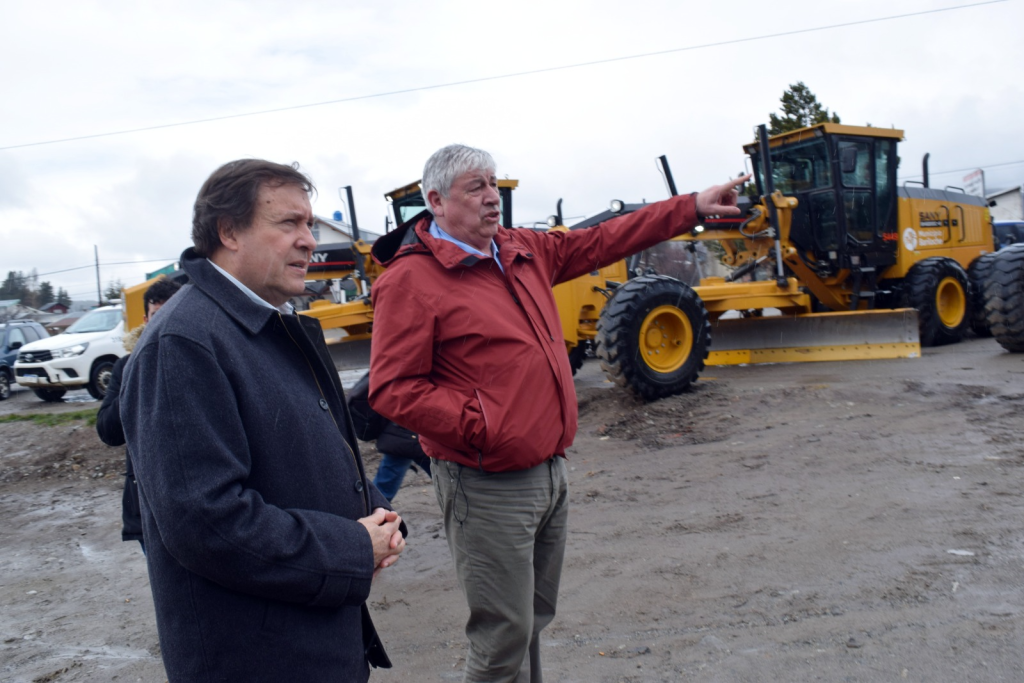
(1007, 205)
(328, 231)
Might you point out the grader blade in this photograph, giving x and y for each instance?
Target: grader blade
(847, 335)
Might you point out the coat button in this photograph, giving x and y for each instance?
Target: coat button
(323, 403)
(359, 485)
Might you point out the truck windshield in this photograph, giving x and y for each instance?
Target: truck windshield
(798, 167)
(96, 321)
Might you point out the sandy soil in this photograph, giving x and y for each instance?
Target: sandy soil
(816, 522)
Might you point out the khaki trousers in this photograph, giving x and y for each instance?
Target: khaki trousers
(506, 532)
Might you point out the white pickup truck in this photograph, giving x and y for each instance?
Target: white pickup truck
(83, 356)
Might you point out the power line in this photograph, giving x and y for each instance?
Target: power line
(961, 170)
(517, 74)
(152, 260)
(113, 263)
(66, 270)
(102, 264)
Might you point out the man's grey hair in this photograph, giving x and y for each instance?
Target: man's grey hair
(448, 163)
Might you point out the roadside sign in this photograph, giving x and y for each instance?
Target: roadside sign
(166, 270)
(974, 183)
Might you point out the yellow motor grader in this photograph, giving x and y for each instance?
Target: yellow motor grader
(833, 261)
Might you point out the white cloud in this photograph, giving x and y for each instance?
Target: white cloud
(587, 134)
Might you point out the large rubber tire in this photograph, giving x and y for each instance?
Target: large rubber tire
(653, 336)
(1004, 298)
(50, 395)
(978, 273)
(5, 385)
(99, 379)
(938, 288)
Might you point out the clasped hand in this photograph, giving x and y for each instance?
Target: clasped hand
(388, 542)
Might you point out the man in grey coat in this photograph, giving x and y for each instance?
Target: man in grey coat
(263, 533)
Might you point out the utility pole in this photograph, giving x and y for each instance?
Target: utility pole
(99, 293)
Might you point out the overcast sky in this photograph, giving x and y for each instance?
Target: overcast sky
(586, 134)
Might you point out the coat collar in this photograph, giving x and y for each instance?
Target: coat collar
(413, 237)
(230, 298)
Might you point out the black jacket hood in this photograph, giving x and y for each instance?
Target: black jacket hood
(386, 248)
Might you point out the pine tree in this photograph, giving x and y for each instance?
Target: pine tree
(800, 108)
(113, 291)
(14, 286)
(63, 297)
(45, 293)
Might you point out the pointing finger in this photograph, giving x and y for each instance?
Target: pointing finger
(736, 182)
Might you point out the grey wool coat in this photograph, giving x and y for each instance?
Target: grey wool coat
(250, 484)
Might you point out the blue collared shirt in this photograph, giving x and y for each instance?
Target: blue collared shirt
(437, 232)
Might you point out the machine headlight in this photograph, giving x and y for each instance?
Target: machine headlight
(71, 351)
(617, 206)
(552, 221)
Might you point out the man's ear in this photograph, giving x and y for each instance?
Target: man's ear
(227, 233)
(434, 201)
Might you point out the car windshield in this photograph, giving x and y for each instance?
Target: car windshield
(96, 321)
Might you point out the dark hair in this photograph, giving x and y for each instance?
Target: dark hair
(159, 292)
(230, 194)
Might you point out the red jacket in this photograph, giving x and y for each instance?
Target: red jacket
(473, 360)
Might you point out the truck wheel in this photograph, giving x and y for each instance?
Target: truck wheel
(50, 395)
(5, 385)
(978, 274)
(937, 288)
(1004, 298)
(99, 379)
(653, 336)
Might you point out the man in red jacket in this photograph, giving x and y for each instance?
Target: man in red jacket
(468, 352)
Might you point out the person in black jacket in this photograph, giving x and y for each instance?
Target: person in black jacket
(108, 419)
(263, 533)
(399, 450)
(399, 447)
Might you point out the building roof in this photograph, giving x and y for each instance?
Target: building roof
(1008, 190)
(64, 320)
(53, 304)
(344, 231)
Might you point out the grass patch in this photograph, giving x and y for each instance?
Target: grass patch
(54, 419)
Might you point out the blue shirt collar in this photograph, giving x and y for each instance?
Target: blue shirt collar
(436, 232)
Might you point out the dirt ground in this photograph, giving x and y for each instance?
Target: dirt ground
(816, 522)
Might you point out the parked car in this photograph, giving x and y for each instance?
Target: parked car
(1007, 233)
(83, 356)
(14, 334)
